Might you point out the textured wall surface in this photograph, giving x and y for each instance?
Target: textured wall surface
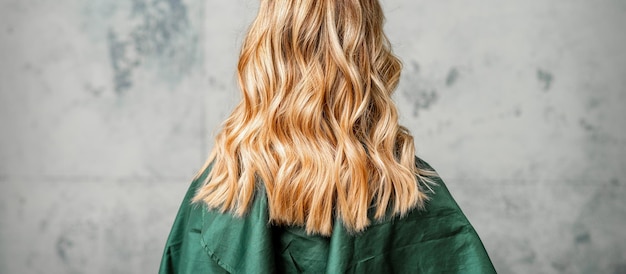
(108, 108)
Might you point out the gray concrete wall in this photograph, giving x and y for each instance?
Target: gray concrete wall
(108, 108)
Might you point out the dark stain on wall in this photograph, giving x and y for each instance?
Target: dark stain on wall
(560, 267)
(163, 23)
(43, 225)
(74, 243)
(452, 77)
(584, 124)
(62, 246)
(583, 238)
(620, 268)
(615, 182)
(95, 91)
(546, 78)
(599, 215)
(417, 90)
(424, 99)
(159, 37)
(122, 64)
(593, 103)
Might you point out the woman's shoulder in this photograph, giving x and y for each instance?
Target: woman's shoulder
(439, 200)
(435, 238)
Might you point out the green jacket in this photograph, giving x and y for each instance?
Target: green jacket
(438, 239)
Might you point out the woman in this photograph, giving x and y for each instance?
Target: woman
(311, 172)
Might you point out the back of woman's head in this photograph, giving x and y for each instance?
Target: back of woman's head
(316, 124)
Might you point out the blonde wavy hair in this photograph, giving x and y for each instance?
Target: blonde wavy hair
(316, 123)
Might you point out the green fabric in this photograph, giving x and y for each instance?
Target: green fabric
(438, 239)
